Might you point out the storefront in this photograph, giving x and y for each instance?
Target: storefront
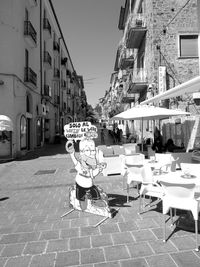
(6, 129)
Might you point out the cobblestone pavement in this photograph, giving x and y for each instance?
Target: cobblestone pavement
(32, 233)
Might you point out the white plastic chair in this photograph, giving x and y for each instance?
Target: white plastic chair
(149, 188)
(180, 196)
(132, 166)
(164, 161)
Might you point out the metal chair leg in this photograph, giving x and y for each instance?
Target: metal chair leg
(171, 216)
(140, 204)
(196, 234)
(164, 229)
(127, 193)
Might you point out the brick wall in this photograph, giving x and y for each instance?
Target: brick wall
(159, 13)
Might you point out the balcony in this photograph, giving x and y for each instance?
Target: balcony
(33, 3)
(127, 98)
(56, 47)
(64, 62)
(30, 34)
(47, 60)
(46, 28)
(126, 59)
(116, 66)
(56, 73)
(63, 84)
(139, 81)
(136, 32)
(47, 92)
(30, 77)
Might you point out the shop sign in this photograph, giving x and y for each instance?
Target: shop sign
(161, 79)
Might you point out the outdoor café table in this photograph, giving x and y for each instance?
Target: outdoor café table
(177, 177)
(185, 221)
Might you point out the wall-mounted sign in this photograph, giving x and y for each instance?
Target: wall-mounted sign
(161, 79)
(80, 130)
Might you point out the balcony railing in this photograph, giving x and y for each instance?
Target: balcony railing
(136, 31)
(127, 59)
(47, 58)
(139, 75)
(127, 98)
(139, 81)
(30, 76)
(56, 46)
(56, 73)
(47, 25)
(30, 31)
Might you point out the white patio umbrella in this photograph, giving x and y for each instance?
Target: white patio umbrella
(145, 112)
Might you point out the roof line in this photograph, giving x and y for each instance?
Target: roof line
(56, 18)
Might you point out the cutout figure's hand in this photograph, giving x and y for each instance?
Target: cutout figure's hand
(69, 147)
(103, 165)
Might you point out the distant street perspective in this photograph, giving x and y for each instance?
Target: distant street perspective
(99, 133)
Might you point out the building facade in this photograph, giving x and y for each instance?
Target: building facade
(40, 91)
(158, 50)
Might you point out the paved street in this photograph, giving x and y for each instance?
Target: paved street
(32, 233)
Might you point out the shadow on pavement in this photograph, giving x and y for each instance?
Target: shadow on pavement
(4, 198)
(116, 200)
(46, 150)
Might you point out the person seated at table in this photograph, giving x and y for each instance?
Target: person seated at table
(170, 146)
(157, 145)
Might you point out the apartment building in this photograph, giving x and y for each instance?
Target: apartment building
(158, 50)
(39, 89)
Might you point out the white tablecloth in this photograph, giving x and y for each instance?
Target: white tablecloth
(178, 176)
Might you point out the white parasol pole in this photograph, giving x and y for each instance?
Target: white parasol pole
(142, 136)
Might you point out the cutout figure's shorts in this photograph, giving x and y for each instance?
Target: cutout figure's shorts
(91, 192)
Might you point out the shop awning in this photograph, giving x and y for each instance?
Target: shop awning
(188, 87)
(6, 123)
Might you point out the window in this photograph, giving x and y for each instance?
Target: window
(23, 129)
(188, 45)
(26, 58)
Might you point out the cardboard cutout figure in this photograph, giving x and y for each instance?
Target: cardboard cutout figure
(84, 195)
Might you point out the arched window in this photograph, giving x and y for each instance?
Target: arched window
(23, 132)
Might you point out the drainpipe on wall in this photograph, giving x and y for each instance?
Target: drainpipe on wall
(59, 109)
(41, 71)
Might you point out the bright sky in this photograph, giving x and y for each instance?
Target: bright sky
(90, 29)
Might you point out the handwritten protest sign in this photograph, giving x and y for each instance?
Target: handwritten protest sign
(80, 130)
